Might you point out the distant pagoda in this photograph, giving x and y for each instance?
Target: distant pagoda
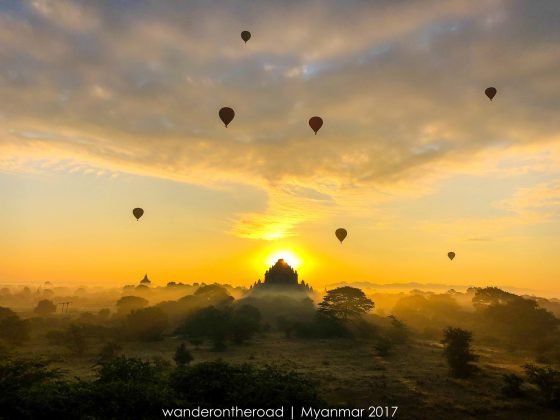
(145, 281)
(281, 277)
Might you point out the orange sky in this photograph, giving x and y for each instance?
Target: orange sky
(117, 108)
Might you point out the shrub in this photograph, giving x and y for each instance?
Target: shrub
(457, 350)
(547, 380)
(219, 384)
(383, 346)
(512, 385)
(182, 356)
(109, 351)
(73, 338)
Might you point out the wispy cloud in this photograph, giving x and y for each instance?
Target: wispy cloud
(135, 86)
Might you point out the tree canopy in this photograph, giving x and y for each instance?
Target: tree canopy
(45, 307)
(345, 302)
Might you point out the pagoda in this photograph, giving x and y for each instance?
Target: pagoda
(145, 281)
(281, 277)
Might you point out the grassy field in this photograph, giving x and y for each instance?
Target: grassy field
(351, 374)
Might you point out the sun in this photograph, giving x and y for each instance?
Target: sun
(292, 259)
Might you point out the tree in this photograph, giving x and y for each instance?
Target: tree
(214, 295)
(345, 302)
(45, 307)
(244, 323)
(285, 325)
(104, 313)
(6, 312)
(182, 356)
(18, 378)
(207, 323)
(457, 350)
(521, 321)
(398, 332)
(146, 324)
(76, 339)
(491, 296)
(127, 304)
(13, 330)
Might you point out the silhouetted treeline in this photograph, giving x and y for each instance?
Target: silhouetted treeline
(129, 388)
(210, 316)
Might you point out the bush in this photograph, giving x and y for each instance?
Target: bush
(126, 388)
(323, 327)
(547, 380)
(398, 332)
(218, 384)
(73, 338)
(109, 351)
(457, 350)
(383, 346)
(182, 356)
(17, 379)
(512, 385)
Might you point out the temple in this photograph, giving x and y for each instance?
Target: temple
(281, 278)
(145, 281)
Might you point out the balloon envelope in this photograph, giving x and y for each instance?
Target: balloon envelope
(138, 212)
(245, 36)
(226, 115)
(341, 234)
(491, 92)
(451, 255)
(315, 123)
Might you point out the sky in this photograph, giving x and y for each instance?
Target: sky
(110, 105)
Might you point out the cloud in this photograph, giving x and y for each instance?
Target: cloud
(135, 86)
(541, 201)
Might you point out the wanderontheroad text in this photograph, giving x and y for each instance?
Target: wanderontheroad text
(233, 412)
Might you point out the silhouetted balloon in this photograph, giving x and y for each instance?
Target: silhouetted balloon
(226, 115)
(451, 255)
(245, 36)
(491, 92)
(315, 123)
(138, 212)
(341, 234)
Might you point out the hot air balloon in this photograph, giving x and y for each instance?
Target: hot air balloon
(451, 255)
(138, 212)
(226, 115)
(491, 92)
(315, 123)
(245, 36)
(341, 234)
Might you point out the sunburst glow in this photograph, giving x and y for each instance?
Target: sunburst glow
(288, 256)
